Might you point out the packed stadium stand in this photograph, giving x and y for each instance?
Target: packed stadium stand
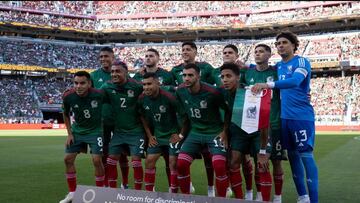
(35, 63)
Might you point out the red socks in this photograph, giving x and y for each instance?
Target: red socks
(278, 181)
(99, 181)
(222, 181)
(236, 183)
(174, 182)
(265, 182)
(111, 172)
(138, 174)
(248, 173)
(71, 181)
(150, 179)
(183, 165)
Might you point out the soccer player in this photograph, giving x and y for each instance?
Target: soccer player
(159, 108)
(152, 58)
(231, 55)
(262, 72)
(297, 114)
(98, 78)
(122, 93)
(85, 103)
(202, 103)
(188, 54)
(166, 80)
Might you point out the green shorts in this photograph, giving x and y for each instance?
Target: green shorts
(94, 140)
(165, 147)
(195, 142)
(121, 142)
(245, 143)
(277, 151)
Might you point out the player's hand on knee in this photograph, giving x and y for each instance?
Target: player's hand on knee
(263, 162)
(69, 140)
(152, 141)
(175, 138)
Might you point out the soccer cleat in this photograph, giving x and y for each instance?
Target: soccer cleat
(192, 189)
(303, 199)
(69, 197)
(277, 199)
(258, 197)
(211, 191)
(229, 192)
(170, 190)
(249, 195)
(124, 186)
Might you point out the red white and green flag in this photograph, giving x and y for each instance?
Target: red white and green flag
(251, 112)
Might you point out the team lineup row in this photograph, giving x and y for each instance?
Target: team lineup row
(192, 117)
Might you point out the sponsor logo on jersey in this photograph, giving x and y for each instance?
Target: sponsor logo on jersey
(94, 104)
(203, 104)
(130, 93)
(162, 109)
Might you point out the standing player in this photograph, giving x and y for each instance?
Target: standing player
(231, 55)
(122, 93)
(159, 108)
(86, 105)
(188, 54)
(98, 78)
(297, 114)
(152, 58)
(202, 103)
(262, 72)
(166, 80)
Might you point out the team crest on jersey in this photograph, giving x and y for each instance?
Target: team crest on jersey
(94, 104)
(203, 104)
(130, 93)
(289, 67)
(162, 109)
(270, 79)
(161, 79)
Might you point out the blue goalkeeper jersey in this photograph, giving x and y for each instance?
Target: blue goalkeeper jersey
(294, 85)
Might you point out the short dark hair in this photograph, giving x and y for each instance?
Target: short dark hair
(107, 49)
(231, 66)
(291, 37)
(266, 47)
(154, 50)
(150, 75)
(118, 62)
(82, 73)
(191, 44)
(192, 66)
(233, 47)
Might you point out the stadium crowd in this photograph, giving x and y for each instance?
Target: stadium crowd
(69, 7)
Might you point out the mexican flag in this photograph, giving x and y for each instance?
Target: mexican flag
(251, 112)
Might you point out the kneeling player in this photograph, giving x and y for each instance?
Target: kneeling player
(159, 107)
(86, 105)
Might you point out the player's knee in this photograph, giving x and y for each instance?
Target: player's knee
(183, 162)
(219, 162)
(97, 161)
(69, 160)
(150, 163)
(234, 163)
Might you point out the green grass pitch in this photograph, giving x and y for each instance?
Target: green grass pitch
(32, 169)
